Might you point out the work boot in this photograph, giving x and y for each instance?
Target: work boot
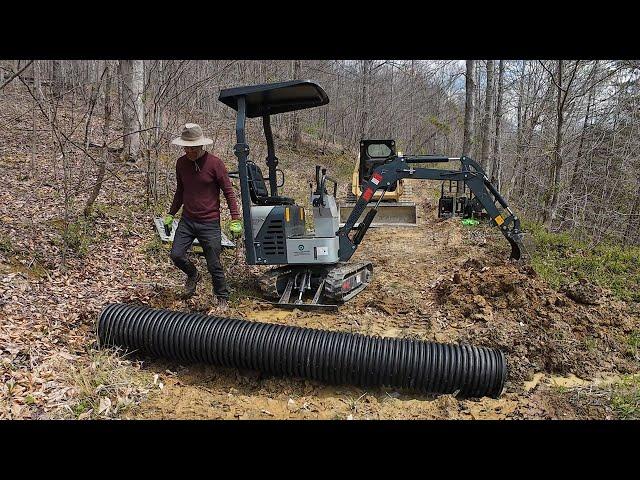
(190, 285)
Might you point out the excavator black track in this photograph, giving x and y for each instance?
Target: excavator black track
(328, 286)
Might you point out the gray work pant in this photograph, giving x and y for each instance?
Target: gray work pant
(209, 235)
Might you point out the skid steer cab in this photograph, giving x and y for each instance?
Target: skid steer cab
(312, 264)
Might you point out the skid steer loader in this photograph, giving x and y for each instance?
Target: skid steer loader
(313, 268)
(397, 208)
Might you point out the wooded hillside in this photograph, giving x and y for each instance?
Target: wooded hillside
(559, 138)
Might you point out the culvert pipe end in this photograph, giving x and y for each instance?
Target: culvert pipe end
(339, 358)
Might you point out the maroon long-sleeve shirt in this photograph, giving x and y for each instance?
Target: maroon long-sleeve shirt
(198, 189)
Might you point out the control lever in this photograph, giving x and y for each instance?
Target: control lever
(320, 186)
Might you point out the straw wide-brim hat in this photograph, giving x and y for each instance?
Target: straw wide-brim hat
(191, 136)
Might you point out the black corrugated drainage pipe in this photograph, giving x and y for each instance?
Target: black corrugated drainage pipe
(330, 357)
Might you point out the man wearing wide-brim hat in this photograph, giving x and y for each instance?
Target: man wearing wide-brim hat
(200, 176)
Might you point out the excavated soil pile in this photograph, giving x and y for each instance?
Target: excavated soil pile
(581, 330)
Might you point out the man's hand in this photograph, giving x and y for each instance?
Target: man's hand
(235, 227)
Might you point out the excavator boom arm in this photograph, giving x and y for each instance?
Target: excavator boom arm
(402, 167)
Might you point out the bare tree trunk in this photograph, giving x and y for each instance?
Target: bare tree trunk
(390, 126)
(496, 168)
(549, 213)
(631, 232)
(57, 81)
(296, 137)
(132, 106)
(518, 159)
(364, 99)
(411, 105)
(468, 109)
(576, 166)
(486, 124)
(36, 85)
(102, 163)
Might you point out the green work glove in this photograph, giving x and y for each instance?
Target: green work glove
(235, 227)
(168, 224)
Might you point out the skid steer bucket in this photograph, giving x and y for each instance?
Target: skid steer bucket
(396, 214)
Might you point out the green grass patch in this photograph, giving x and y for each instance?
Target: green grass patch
(105, 210)
(633, 344)
(625, 399)
(78, 235)
(240, 292)
(591, 344)
(560, 258)
(314, 129)
(5, 245)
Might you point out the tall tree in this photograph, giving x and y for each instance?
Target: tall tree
(132, 72)
(585, 124)
(57, 80)
(550, 212)
(496, 166)
(486, 121)
(468, 109)
(102, 162)
(364, 99)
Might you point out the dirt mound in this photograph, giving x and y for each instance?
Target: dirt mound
(584, 292)
(581, 330)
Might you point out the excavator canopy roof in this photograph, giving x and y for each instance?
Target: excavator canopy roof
(273, 98)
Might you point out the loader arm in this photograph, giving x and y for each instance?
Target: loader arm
(399, 167)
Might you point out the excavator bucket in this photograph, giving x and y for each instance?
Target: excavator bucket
(522, 247)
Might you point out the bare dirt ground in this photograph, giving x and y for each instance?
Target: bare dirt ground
(438, 281)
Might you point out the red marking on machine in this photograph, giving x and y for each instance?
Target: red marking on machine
(368, 193)
(376, 178)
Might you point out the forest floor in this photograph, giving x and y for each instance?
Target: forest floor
(572, 353)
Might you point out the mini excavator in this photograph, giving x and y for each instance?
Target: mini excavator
(313, 268)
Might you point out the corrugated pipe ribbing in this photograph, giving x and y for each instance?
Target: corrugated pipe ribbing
(325, 356)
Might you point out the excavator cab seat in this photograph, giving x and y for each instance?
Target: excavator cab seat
(258, 189)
